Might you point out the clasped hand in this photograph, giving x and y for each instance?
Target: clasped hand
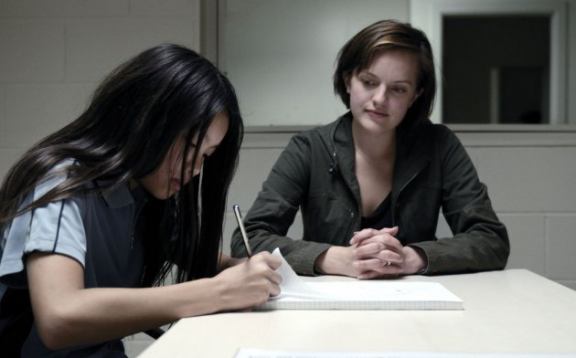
(377, 253)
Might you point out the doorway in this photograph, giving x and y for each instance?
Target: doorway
(496, 69)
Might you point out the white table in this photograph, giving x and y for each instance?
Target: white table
(510, 311)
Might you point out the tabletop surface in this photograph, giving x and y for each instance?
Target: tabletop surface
(510, 311)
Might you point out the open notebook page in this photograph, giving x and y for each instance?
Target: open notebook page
(373, 294)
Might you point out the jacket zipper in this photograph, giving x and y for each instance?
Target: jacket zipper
(404, 187)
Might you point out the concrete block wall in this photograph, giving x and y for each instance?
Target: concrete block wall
(53, 54)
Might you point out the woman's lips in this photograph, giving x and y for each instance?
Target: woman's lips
(376, 114)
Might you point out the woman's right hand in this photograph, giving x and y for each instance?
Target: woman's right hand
(250, 283)
(378, 253)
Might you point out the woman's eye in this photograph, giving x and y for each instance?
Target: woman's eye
(399, 90)
(368, 83)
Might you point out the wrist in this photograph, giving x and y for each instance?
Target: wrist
(337, 260)
(196, 297)
(220, 300)
(415, 260)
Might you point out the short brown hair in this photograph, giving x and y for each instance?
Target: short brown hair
(386, 35)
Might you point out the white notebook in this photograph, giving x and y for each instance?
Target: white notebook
(358, 295)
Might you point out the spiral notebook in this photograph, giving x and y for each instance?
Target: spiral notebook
(298, 294)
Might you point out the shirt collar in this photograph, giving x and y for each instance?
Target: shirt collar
(122, 195)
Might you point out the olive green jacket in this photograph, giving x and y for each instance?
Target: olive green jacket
(433, 172)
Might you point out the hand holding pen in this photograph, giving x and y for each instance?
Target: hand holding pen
(253, 281)
(238, 216)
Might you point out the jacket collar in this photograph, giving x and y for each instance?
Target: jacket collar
(345, 150)
(412, 151)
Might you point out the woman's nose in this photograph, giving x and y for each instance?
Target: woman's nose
(197, 166)
(380, 95)
(189, 171)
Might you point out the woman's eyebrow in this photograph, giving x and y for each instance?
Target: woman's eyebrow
(367, 73)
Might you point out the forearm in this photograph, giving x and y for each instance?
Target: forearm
(480, 240)
(300, 254)
(68, 314)
(88, 316)
(465, 252)
(261, 240)
(273, 212)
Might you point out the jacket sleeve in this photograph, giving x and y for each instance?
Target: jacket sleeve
(480, 240)
(268, 220)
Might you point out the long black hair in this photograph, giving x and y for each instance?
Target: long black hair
(125, 133)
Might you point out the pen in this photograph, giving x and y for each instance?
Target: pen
(238, 215)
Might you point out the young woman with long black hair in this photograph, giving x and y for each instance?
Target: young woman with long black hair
(96, 216)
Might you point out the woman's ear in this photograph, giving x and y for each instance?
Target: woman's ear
(347, 76)
(416, 97)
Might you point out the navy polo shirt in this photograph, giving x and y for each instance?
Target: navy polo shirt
(95, 230)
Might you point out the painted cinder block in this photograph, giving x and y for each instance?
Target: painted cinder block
(561, 247)
(529, 179)
(32, 51)
(96, 46)
(64, 8)
(33, 111)
(527, 234)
